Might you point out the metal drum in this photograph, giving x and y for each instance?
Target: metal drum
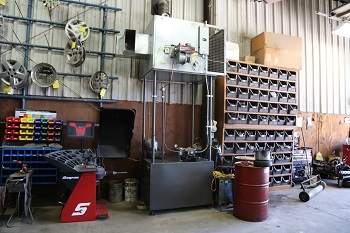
(251, 192)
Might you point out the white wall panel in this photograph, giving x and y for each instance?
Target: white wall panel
(324, 79)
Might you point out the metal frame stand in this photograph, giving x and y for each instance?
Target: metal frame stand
(21, 183)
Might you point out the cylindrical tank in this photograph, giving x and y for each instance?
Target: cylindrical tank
(131, 189)
(251, 192)
(115, 193)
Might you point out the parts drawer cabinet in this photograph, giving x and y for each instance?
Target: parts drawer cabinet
(256, 108)
(44, 173)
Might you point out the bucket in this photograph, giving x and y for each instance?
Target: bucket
(131, 189)
(115, 193)
(251, 192)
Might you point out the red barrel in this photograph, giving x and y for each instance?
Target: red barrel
(251, 192)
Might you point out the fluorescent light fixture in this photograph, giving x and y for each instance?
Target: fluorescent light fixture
(342, 30)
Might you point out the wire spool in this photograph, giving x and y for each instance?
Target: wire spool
(98, 81)
(76, 28)
(13, 74)
(43, 75)
(74, 52)
(51, 4)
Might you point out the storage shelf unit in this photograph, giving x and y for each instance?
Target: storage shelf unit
(256, 108)
(44, 173)
(30, 129)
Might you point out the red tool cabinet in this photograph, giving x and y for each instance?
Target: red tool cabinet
(346, 153)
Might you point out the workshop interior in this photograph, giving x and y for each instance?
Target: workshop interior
(171, 104)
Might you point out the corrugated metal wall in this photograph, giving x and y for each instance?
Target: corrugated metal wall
(324, 80)
(135, 14)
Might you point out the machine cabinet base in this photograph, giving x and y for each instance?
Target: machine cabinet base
(170, 185)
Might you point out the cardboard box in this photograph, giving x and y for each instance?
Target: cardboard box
(278, 50)
(232, 51)
(278, 58)
(250, 59)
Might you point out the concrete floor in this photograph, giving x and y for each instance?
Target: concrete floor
(328, 211)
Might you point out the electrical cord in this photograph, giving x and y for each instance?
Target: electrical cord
(219, 175)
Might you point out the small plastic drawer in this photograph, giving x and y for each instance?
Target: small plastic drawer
(292, 75)
(231, 118)
(270, 146)
(282, 86)
(270, 135)
(277, 169)
(254, 82)
(264, 83)
(44, 121)
(264, 107)
(15, 137)
(283, 97)
(59, 122)
(23, 131)
(273, 73)
(279, 158)
(228, 147)
(260, 146)
(8, 131)
(243, 68)
(29, 137)
(229, 135)
(250, 147)
(37, 121)
(273, 96)
(51, 127)
(51, 121)
(242, 80)
(281, 120)
(292, 98)
(276, 181)
(290, 120)
(240, 135)
(292, 109)
(231, 66)
(286, 180)
(7, 137)
(242, 106)
(253, 119)
(253, 106)
(58, 127)
(273, 84)
(288, 135)
(263, 120)
(50, 133)
(243, 93)
(263, 71)
(291, 87)
(250, 135)
(254, 94)
(264, 95)
(286, 169)
(283, 108)
(231, 92)
(273, 120)
(279, 135)
(231, 79)
(273, 108)
(261, 135)
(283, 74)
(231, 105)
(253, 69)
(58, 133)
(240, 148)
(22, 137)
(44, 127)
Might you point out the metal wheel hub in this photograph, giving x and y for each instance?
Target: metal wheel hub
(13, 74)
(74, 53)
(76, 28)
(98, 81)
(43, 75)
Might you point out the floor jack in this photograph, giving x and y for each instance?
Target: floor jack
(80, 174)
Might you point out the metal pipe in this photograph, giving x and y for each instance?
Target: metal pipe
(53, 48)
(163, 123)
(103, 46)
(192, 117)
(144, 115)
(55, 98)
(154, 99)
(27, 49)
(92, 5)
(57, 23)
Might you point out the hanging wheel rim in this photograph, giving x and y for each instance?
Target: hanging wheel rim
(99, 81)
(76, 28)
(13, 74)
(51, 4)
(43, 75)
(74, 53)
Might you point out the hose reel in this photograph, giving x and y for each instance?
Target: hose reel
(99, 81)
(43, 75)
(13, 74)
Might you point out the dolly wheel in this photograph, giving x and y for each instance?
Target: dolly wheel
(340, 183)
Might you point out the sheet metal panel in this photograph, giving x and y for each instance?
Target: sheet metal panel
(324, 79)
